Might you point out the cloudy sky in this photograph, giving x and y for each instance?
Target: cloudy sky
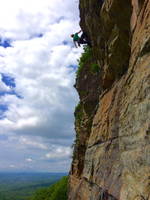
(37, 73)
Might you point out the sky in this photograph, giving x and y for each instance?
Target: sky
(37, 73)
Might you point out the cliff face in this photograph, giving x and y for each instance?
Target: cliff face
(111, 158)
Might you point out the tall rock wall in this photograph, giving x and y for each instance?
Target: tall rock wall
(111, 158)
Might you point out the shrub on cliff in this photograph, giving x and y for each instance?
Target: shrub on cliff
(78, 112)
(85, 57)
(94, 68)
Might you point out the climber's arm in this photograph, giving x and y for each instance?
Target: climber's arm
(79, 31)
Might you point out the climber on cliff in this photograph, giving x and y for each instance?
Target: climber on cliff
(78, 40)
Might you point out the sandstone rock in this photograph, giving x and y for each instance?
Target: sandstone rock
(112, 153)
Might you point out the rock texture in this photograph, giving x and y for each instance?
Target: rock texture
(111, 158)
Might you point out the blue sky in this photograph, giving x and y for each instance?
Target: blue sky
(37, 74)
(5, 43)
(8, 80)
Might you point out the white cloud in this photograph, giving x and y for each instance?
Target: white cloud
(26, 18)
(29, 142)
(43, 77)
(29, 159)
(59, 153)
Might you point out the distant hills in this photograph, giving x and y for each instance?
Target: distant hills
(21, 186)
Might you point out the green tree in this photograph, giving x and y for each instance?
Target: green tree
(57, 191)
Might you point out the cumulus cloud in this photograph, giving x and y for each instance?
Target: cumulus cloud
(34, 144)
(59, 152)
(29, 159)
(24, 19)
(41, 59)
(18, 153)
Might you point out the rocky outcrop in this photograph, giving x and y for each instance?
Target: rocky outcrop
(111, 158)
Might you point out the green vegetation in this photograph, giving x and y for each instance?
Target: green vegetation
(21, 186)
(57, 191)
(94, 68)
(78, 113)
(85, 57)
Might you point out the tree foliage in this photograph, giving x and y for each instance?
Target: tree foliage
(57, 191)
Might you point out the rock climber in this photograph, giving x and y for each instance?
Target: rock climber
(78, 40)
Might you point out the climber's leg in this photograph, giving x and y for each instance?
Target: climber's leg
(84, 39)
